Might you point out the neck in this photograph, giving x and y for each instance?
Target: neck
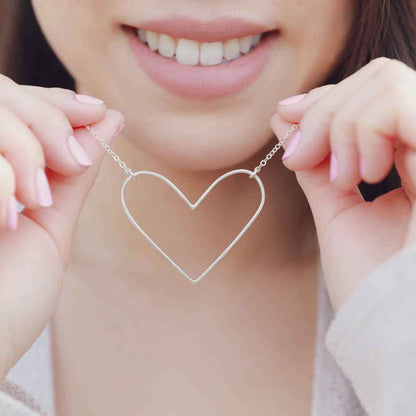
(283, 234)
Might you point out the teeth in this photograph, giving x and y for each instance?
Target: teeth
(190, 52)
(245, 43)
(232, 49)
(152, 40)
(211, 53)
(167, 45)
(187, 52)
(256, 40)
(142, 35)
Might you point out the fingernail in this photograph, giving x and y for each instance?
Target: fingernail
(42, 189)
(86, 99)
(333, 168)
(119, 130)
(292, 100)
(292, 145)
(11, 213)
(78, 152)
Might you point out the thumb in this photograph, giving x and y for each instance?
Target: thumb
(325, 199)
(70, 192)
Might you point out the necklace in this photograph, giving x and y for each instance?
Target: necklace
(134, 175)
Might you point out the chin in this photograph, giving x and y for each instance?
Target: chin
(197, 143)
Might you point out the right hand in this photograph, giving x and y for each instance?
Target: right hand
(35, 125)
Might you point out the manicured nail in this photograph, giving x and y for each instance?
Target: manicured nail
(292, 145)
(86, 99)
(292, 100)
(119, 130)
(333, 168)
(11, 213)
(42, 189)
(78, 152)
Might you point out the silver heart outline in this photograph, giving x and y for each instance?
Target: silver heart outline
(194, 206)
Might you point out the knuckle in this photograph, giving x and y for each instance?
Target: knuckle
(25, 142)
(56, 114)
(380, 61)
(58, 119)
(342, 119)
(53, 118)
(365, 125)
(341, 125)
(64, 92)
(390, 72)
(318, 114)
(318, 91)
(34, 150)
(362, 123)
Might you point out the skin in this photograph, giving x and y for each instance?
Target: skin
(131, 336)
(367, 122)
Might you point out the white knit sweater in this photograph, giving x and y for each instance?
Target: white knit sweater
(365, 356)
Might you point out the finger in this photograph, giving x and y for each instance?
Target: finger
(79, 109)
(376, 144)
(25, 154)
(405, 162)
(315, 124)
(389, 122)
(292, 109)
(325, 199)
(51, 127)
(8, 204)
(70, 192)
(345, 156)
(295, 110)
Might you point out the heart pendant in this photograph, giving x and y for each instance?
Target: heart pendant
(194, 206)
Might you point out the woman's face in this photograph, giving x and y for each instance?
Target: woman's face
(189, 110)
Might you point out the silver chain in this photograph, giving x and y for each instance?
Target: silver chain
(129, 172)
(108, 149)
(272, 152)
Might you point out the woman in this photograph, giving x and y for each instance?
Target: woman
(197, 86)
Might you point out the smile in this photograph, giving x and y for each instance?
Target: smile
(201, 59)
(191, 52)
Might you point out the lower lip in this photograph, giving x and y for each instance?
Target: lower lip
(202, 81)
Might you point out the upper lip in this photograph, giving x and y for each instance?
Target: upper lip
(218, 29)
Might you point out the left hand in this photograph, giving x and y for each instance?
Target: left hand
(367, 122)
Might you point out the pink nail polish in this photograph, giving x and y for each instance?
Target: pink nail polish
(86, 99)
(78, 152)
(333, 168)
(42, 189)
(12, 214)
(292, 100)
(292, 145)
(119, 130)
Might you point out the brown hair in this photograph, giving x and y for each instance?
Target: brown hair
(380, 28)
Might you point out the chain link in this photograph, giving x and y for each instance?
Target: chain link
(129, 172)
(108, 149)
(272, 152)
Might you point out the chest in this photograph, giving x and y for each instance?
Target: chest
(153, 350)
